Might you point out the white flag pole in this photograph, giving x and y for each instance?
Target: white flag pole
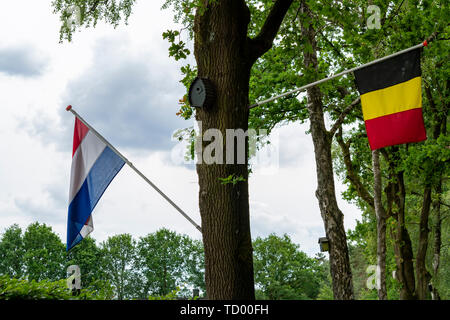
(69, 108)
(338, 75)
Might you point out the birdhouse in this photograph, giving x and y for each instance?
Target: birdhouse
(324, 244)
(201, 93)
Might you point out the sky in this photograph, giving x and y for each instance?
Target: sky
(123, 82)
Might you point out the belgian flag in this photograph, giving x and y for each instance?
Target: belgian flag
(391, 99)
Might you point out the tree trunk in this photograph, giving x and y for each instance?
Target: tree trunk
(220, 39)
(396, 196)
(381, 227)
(225, 55)
(437, 241)
(439, 127)
(423, 277)
(332, 216)
(405, 259)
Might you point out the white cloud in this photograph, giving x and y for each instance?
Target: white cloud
(128, 97)
(19, 61)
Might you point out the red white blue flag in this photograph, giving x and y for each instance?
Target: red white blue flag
(94, 166)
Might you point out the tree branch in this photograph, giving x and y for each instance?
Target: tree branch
(264, 40)
(95, 5)
(342, 116)
(420, 195)
(351, 174)
(433, 36)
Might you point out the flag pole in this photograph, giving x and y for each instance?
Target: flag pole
(69, 108)
(425, 43)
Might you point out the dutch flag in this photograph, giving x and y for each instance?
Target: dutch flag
(94, 166)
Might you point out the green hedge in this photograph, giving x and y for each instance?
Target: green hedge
(11, 288)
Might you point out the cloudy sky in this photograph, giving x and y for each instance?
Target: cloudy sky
(123, 82)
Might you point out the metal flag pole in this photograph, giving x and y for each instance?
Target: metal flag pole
(69, 108)
(425, 43)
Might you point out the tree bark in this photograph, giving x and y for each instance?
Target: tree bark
(351, 174)
(437, 242)
(381, 227)
(405, 259)
(423, 276)
(331, 214)
(225, 56)
(396, 197)
(220, 39)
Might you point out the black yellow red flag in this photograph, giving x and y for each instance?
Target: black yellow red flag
(391, 99)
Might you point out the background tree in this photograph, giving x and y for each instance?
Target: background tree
(283, 272)
(167, 260)
(195, 266)
(118, 254)
(44, 256)
(402, 25)
(225, 54)
(116, 268)
(363, 253)
(87, 255)
(11, 252)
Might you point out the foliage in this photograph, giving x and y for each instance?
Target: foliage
(345, 41)
(284, 272)
(172, 295)
(422, 164)
(178, 49)
(168, 261)
(118, 268)
(11, 288)
(44, 256)
(325, 293)
(118, 255)
(442, 281)
(99, 290)
(232, 179)
(23, 289)
(362, 250)
(89, 12)
(11, 252)
(163, 266)
(87, 255)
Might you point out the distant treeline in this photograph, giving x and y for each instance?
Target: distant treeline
(160, 264)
